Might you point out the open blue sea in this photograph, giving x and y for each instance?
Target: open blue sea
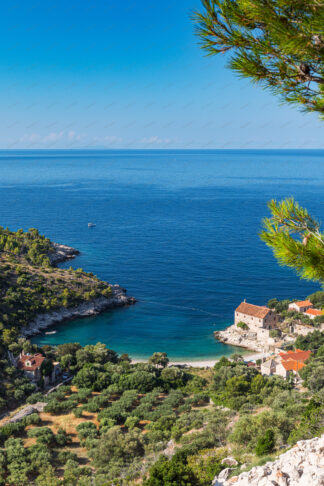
(178, 229)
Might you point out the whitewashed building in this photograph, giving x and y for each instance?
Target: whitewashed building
(300, 306)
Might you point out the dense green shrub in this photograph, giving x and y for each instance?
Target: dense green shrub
(317, 299)
(274, 333)
(170, 473)
(266, 443)
(44, 435)
(87, 430)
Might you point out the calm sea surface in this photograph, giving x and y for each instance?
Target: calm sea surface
(178, 229)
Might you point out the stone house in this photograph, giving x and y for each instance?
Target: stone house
(31, 365)
(312, 313)
(268, 367)
(256, 317)
(285, 364)
(301, 306)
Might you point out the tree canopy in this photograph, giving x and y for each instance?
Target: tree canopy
(278, 44)
(295, 238)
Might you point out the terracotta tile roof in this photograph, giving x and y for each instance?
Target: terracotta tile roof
(294, 360)
(297, 355)
(253, 310)
(303, 303)
(292, 365)
(35, 361)
(314, 312)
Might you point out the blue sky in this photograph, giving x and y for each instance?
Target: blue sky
(129, 74)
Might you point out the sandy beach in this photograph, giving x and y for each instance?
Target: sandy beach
(208, 363)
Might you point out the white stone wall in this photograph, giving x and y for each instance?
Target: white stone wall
(265, 370)
(281, 371)
(295, 307)
(255, 323)
(301, 329)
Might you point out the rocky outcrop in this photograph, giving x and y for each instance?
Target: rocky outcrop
(303, 465)
(35, 408)
(239, 337)
(230, 461)
(62, 253)
(256, 341)
(118, 298)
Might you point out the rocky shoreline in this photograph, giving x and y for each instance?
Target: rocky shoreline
(86, 309)
(303, 465)
(259, 342)
(62, 253)
(237, 337)
(118, 298)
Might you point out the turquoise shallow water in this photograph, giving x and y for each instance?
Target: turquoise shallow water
(178, 229)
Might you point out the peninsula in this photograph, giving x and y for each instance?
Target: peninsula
(35, 293)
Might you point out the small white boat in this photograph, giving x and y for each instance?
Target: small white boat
(50, 332)
(91, 225)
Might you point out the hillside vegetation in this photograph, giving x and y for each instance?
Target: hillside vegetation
(31, 285)
(120, 423)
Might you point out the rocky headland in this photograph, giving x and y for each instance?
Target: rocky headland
(36, 293)
(260, 342)
(303, 465)
(62, 253)
(238, 337)
(94, 307)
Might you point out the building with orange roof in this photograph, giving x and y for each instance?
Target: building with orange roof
(31, 365)
(292, 365)
(286, 363)
(297, 355)
(255, 317)
(301, 306)
(312, 313)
